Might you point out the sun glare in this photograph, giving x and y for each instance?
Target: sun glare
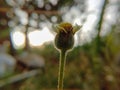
(37, 37)
(18, 39)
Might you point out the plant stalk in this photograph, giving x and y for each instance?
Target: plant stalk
(61, 69)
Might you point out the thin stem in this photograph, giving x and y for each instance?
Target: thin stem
(99, 24)
(61, 69)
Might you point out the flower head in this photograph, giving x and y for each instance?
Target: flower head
(65, 35)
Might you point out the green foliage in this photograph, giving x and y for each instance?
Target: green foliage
(4, 33)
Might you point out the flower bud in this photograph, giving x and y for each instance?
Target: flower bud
(64, 39)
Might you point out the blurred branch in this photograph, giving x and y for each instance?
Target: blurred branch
(26, 39)
(19, 77)
(100, 22)
(53, 12)
(99, 26)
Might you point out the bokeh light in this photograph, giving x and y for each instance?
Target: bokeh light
(37, 37)
(18, 38)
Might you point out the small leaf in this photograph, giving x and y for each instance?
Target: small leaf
(55, 28)
(76, 28)
(61, 28)
(58, 28)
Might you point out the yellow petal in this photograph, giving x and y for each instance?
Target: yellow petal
(76, 28)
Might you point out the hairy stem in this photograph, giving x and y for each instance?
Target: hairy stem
(61, 69)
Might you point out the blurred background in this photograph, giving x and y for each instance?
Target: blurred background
(29, 60)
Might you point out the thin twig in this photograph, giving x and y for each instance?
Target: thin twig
(52, 12)
(19, 77)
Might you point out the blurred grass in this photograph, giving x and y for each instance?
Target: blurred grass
(4, 33)
(86, 69)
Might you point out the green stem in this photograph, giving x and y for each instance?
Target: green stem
(61, 69)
